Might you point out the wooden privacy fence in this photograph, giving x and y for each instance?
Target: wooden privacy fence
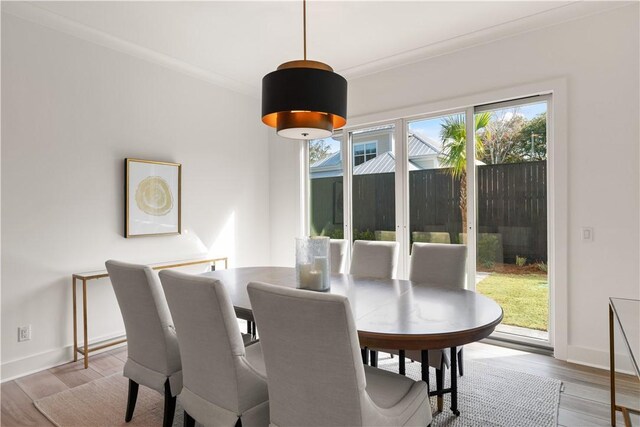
(512, 207)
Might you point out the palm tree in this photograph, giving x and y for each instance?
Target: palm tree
(454, 151)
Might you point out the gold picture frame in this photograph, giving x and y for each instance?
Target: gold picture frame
(153, 198)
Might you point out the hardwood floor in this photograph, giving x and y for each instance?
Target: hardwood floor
(584, 401)
(17, 396)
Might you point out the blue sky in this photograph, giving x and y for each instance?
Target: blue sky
(431, 127)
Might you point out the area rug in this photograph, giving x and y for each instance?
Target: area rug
(487, 396)
(490, 396)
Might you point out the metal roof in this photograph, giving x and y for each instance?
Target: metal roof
(421, 145)
(334, 159)
(382, 163)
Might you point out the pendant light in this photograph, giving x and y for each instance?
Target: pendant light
(304, 99)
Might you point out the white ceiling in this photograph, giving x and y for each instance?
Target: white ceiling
(237, 42)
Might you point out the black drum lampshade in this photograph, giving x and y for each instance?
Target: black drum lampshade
(304, 100)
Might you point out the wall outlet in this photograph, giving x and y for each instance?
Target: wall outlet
(24, 333)
(586, 234)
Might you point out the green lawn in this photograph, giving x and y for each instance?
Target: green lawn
(523, 297)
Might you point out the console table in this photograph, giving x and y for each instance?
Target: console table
(626, 314)
(85, 348)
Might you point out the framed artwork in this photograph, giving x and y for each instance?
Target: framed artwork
(152, 198)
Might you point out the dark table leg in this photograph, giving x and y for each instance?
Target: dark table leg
(401, 366)
(454, 381)
(440, 384)
(424, 357)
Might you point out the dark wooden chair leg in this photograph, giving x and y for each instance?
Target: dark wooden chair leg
(189, 421)
(365, 355)
(169, 406)
(373, 356)
(131, 400)
(460, 363)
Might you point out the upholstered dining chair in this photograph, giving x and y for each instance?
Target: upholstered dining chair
(224, 382)
(439, 264)
(329, 385)
(378, 260)
(374, 259)
(337, 255)
(153, 356)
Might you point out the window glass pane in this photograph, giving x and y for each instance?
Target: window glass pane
(511, 240)
(325, 173)
(436, 150)
(374, 185)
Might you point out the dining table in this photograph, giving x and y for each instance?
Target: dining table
(390, 313)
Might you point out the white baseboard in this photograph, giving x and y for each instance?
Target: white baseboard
(598, 359)
(36, 363)
(49, 359)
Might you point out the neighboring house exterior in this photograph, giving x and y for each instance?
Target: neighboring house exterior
(373, 153)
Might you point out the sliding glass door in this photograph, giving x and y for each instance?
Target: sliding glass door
(488, 192)
(373, 174)
(326, 212)
(435, 161)
(511, 206)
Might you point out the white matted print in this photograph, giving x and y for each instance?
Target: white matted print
(152, 205)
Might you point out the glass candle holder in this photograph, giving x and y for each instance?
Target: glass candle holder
(312, 264)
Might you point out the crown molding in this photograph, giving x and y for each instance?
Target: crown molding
(549, 18)
(40, 16)
(561, 14)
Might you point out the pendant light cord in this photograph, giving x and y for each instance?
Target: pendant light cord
(304, 26)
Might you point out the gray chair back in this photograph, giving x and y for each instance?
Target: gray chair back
(374, 259)
(312, 356)
(153, 353)
(211, 345)
(338, 255)
(438, 264)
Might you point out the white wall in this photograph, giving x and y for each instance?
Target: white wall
(71, 112)
(284, 198)
(598, 56)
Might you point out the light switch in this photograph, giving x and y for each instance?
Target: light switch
(587, 234)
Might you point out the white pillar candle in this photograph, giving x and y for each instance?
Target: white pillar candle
(315, 280)
(310, 278)
(321, 264)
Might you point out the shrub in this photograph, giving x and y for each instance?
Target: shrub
(542, 266)
(488, 248)
(336, 233)
(363, 235)
(488, 264)
(520, 261)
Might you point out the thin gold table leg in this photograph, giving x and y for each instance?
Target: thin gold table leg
(75, 320)
(84, 322)
(612, 368)
(627, 418)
